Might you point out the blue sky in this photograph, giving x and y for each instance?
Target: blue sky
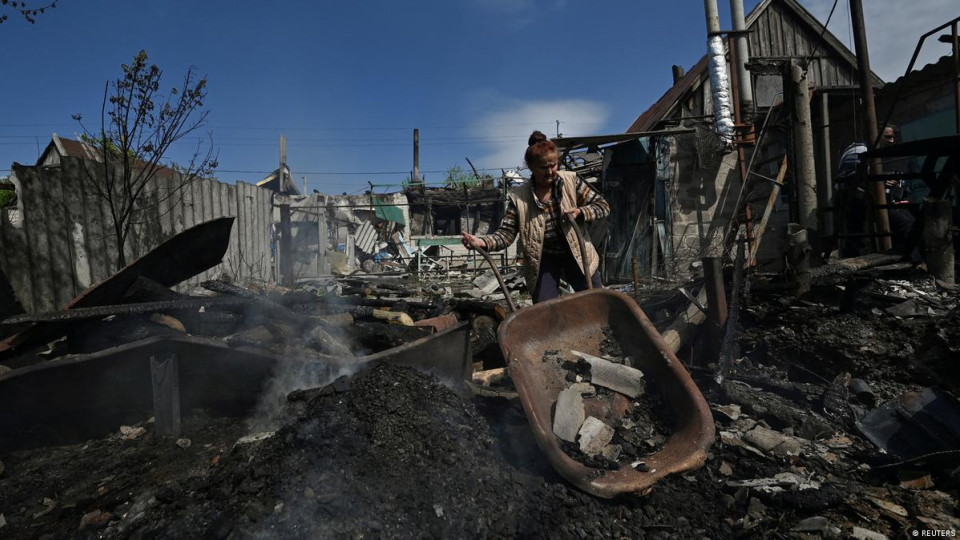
(347, 82)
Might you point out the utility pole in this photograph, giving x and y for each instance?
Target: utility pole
(743, 56)
(416, 155)
(881, 218)
(281, 177)
(558, 129)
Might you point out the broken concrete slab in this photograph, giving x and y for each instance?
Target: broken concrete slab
(594, 436)
(568, 415)
(617, 377)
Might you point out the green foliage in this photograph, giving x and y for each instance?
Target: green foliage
(458, 178)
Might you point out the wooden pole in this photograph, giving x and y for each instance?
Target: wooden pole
(880, 216)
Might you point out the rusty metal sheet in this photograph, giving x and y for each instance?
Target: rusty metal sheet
(181, 257)
(577, 322)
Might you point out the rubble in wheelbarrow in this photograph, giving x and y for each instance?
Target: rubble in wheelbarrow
(636, 422)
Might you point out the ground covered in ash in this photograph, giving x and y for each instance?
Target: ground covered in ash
(392, 453)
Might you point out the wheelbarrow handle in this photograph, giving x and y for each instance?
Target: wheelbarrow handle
(583, 251)
(496, 273)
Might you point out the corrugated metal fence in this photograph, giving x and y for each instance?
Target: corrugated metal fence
(58, 240)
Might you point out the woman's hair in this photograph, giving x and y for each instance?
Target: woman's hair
(538, 149)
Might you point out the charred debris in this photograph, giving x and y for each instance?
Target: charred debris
(760, 364)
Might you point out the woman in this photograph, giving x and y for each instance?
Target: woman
(537, 211)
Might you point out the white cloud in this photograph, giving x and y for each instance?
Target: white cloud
(505, 129)
(893, 28)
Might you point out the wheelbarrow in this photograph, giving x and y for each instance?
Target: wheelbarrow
(578, 322)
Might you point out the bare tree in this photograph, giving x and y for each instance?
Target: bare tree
(137, 128)
(27, 11)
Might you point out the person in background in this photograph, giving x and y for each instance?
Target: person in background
(537, 213)
(851, 199)
(902, 220)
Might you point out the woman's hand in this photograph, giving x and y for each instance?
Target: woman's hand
(472, 242)
(573, 212)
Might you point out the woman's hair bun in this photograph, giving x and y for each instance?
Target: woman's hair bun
(536, 137)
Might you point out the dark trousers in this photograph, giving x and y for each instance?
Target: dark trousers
(555, 267)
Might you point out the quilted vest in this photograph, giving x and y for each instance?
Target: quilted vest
(532, 225)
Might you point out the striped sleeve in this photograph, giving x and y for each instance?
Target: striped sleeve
(506, 233)
(591, 203)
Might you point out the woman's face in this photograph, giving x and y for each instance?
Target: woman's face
(545, 170)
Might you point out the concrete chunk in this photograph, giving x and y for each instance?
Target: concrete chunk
(568, 415)
(617, 377)
(866, 534)
(594, 436)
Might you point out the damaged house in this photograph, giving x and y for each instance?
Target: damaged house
(705, 186)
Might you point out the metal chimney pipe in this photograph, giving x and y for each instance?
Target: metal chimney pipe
(719, 81)
(743, 56)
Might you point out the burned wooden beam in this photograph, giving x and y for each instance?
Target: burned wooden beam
(78, 314)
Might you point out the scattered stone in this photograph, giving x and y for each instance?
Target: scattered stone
(732, 411)
(773, 442)
(726, 469)
(4, 370)
(184, 443)
(755, 508)
(3, 521)
(569, 415)
(893, 508)
(254, 438)
(812, 524)
(95, 518)
(612, 452)
(130, 433)
(778, 483)
(594, 436)
(866, 534)
(48, 506)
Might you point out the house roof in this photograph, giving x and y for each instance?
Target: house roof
(667, 103)
(79, 149)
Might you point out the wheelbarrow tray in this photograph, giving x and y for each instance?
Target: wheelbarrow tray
(577, 322)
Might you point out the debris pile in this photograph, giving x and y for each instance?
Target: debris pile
(627, 417)
(835, 418)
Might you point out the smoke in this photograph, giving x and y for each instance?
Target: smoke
(304, 368)
(288, 377)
